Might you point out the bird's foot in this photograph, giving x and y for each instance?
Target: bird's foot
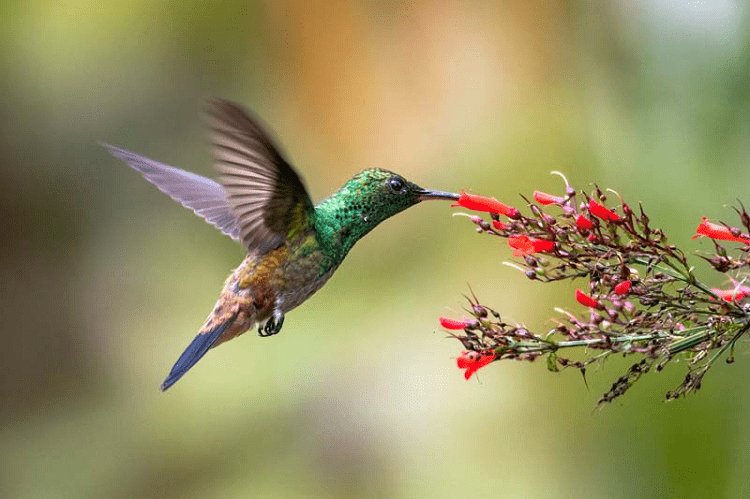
(272, 326)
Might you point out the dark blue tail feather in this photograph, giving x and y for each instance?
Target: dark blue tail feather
(193, 354)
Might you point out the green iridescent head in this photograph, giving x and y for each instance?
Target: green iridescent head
(362, 203)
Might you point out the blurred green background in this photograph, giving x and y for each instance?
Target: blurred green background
(104, 280)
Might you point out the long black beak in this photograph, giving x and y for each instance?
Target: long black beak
(426, 194)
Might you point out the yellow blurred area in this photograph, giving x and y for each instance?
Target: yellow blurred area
(104, 280)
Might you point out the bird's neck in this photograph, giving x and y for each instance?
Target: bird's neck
(343, 219)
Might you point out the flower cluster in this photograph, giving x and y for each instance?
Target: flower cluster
(642, 298)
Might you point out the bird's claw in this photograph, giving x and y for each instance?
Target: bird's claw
(271, 327)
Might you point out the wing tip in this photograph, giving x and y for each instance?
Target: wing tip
(133, 160)
(113, 150)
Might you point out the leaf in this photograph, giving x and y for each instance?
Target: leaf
(552, 362)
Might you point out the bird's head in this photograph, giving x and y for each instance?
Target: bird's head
(367, 199)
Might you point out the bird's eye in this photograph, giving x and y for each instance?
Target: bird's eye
(395, 184)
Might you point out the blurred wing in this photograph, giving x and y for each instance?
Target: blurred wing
(202, 195)
(266, 194)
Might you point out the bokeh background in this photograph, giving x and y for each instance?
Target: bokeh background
(104, 280)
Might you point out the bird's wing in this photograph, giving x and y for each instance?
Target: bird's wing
(266, 194)
(202, 195)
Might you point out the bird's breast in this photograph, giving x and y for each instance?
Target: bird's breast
(305, 270)
(286, 276)
(263, 271)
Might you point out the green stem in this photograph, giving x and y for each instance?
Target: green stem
(529, 347)
(702, 333)
(729, 344)
(688, 278)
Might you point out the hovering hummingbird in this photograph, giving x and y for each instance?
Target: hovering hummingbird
(293, 246)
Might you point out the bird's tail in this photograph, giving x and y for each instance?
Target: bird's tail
(193, 353)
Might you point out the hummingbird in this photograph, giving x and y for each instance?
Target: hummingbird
(293, 247)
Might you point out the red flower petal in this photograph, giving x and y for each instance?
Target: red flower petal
(542, 245)
(622, 288)
(600, 211)
(584, 223)
(498, 225)
(586, 300)
(481, 203)
(525, 245)
(521, 244)
(734, 294)
(473, 361)
(544, 198)
(466, 359)
(448, 323)
(484, 360)
(717, 231)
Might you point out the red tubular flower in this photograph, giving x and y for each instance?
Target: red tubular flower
(472, 362)
(622, 288)
(448, 323)
(521, 244)
(498, 225)
(584, 223)
(524, 245)
(600, 211)
(481, 203)
(734, 294)
(716, 231)
(586, 300)
(544, 198)
(541, 245)
(466, 359)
